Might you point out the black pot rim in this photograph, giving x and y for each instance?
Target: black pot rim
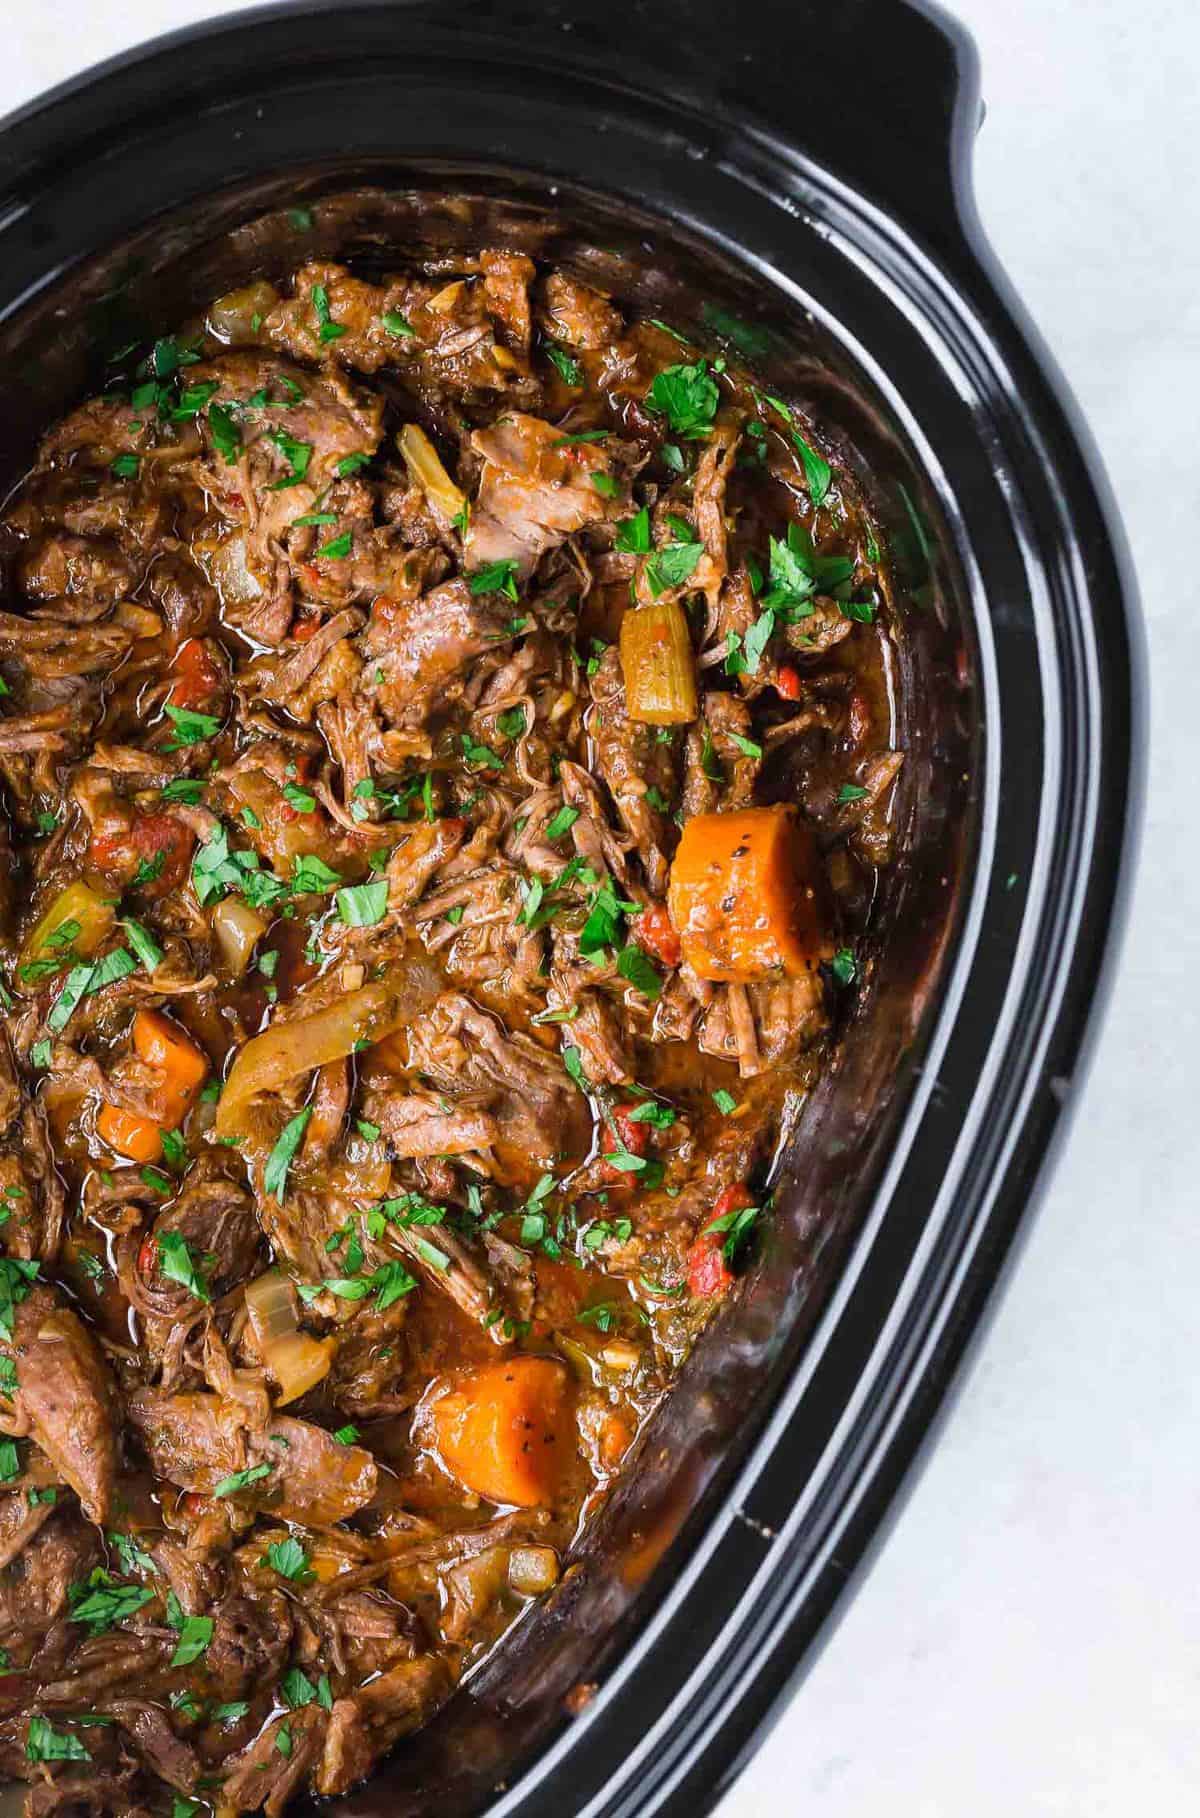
(920, 221)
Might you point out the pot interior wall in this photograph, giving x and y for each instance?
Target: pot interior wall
(53, 351)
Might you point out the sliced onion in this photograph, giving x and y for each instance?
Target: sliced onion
(446, 298)
(231, 318)
(295, 1359)
(304, 1043)
(236, 929)
(532, 1570)
(425, 469)
(298, 1364)
(226, 563)
(271, 1306)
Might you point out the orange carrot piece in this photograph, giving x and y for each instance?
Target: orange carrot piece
(748, 896)
(138, 1138)
(507, 1431)
(162, 1045)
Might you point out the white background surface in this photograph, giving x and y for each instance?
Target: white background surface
(1028, 1640)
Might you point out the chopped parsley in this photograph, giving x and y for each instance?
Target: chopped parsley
(736, 1227)
(280, 1159)
(195, 1632)
(133, 1557)
(183, 789)
(672, 565)
(475, 753)
(296, 454)
(143, 943)
(633, 964)
(241, 1480)
(226, 1714)
(178, 1263)
(652, 1112)
(606, 911)
(818, 474)
(83, 981)
(190, 728)
(397, 324)
(102, 1602)
(298, 1690)
(149, 870)
(561, 822)
(757, 638)
(568, 370)
(362, 905)
(495, 577)
(42, 1743)
(844, 966)
(687, 396)
(327, 329)
(311, 876)
(289, 1559)
(174, 1150)
(633, 534)
(604, 1316)
(227, 437)
(16, 1278)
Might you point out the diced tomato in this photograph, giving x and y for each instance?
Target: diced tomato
(156, 846)
(304, 625)
(654, 930)
(635, 1139)
(787, 681)
(733, 1199)
(303, 768)
(708, 1274)
(197, 676)
(147, 1256)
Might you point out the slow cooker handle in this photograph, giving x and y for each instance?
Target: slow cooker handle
(884, 92)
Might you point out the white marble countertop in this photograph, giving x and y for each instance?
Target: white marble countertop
(1027, 1641)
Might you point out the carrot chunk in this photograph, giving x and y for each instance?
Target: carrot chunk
(507, 1431)
(137, 1138)
(182, 1068)
(748, 896)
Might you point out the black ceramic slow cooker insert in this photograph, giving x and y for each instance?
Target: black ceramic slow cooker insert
(806, 169)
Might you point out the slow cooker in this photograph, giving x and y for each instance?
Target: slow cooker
(805, 171)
